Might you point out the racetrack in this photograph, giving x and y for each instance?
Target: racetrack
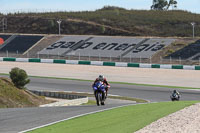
(15, 120)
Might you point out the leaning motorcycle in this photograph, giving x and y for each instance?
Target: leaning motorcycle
(175, 97)
(99, 92)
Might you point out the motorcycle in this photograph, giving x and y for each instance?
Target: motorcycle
(99, 92)
(175, 97)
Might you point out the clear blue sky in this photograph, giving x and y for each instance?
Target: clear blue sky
(83, 5)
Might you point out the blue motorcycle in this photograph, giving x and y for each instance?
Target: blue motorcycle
(99, 92)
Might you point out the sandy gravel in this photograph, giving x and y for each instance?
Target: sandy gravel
(187, 78)
(186, 120)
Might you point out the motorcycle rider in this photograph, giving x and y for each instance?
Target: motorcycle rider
(175, 92)
(105, 82)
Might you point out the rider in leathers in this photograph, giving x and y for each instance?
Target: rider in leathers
(101, 78)
(175, 92)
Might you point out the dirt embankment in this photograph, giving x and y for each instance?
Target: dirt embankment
(12, 97)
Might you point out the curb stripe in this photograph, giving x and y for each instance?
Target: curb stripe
(46, 60)
(133, 65)
(108, 63)
(84, 62)
(97, 63)
(21, 59)
(59, 61)
(9, 59)
(177, 66)
(34, 60)
(101, 63)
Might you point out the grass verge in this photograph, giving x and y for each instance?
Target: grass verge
(121, 120)
(90, 102)
(166, 86)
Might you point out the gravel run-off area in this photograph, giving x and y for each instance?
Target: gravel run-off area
(186, 120)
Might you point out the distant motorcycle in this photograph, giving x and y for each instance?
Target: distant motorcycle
(99, 92)
(175, 97)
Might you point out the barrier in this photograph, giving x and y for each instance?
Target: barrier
(100, 63)
(61, 95)
(62, 98)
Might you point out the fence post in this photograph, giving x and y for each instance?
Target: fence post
(110, 58)
(179, 60)
(48, 54)
(17, 53)
(99, 57)
(58, 55)
(130, 58)
(7, 53)
(150, 60)
(140, 59)
(160, 60)
(199, 60)
(79, 58)
(89, 56)
(170, 60)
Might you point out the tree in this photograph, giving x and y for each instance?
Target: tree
(172, 3)
(103, 29)
(19, 77)
(163, 4)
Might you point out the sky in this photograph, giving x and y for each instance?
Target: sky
(7, 6)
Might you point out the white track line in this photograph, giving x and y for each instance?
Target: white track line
(76, 117)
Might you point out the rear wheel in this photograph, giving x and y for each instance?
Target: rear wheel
(102, 103)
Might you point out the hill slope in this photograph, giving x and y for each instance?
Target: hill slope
(11, 97)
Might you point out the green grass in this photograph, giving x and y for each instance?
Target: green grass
(137, 100)
(152, 85)
(120, 120)
(90, 102)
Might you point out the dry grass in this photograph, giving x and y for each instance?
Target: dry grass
(12, 97)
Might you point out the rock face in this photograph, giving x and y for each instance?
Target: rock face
(184, 121)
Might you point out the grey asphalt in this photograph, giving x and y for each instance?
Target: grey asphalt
(16, 120)
(152, 94)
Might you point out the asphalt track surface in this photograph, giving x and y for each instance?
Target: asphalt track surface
(18, 119)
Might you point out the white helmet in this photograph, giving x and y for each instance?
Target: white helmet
(101, 77)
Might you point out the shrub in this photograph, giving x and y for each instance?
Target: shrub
(19, 77)
(170, 51)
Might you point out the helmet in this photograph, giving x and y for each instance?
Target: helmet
(174, 91)
(101, 77)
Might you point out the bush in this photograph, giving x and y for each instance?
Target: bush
(19, 77)
(170, 51)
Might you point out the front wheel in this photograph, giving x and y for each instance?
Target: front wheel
(97, 95)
